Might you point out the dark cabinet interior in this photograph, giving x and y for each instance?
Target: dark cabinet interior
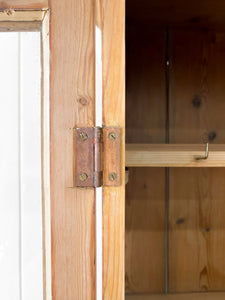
(175, 94)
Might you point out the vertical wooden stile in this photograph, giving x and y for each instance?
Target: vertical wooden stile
(72, 96)
(113, 22)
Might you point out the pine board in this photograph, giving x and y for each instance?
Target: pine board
(196, 209)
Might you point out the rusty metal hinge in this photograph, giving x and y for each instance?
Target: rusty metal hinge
(97, 156)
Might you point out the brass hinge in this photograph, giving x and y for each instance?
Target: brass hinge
(97, 156)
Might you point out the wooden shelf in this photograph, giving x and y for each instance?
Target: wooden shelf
(191, 296)
(174, 155)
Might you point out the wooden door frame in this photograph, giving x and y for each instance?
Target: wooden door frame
(72, 104)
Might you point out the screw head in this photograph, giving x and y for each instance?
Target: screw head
(83, 136)
(112, 176)
(112, 136)
(83, 177)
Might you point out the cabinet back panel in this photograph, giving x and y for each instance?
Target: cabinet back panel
(197, 89)
(146, 86)
(196, 230)
(145, 230)
(196, 206)
(145, 192)
(196, 115)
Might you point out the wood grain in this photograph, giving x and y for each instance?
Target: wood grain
(174, 155)
(196, 89)
(196, 219)
(193, 296)
(145, 230)
(72, 105)
(24, 4)
(145, 191)
(113, 35)
(196, 235)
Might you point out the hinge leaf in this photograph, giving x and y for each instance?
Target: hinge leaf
(97, 156)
